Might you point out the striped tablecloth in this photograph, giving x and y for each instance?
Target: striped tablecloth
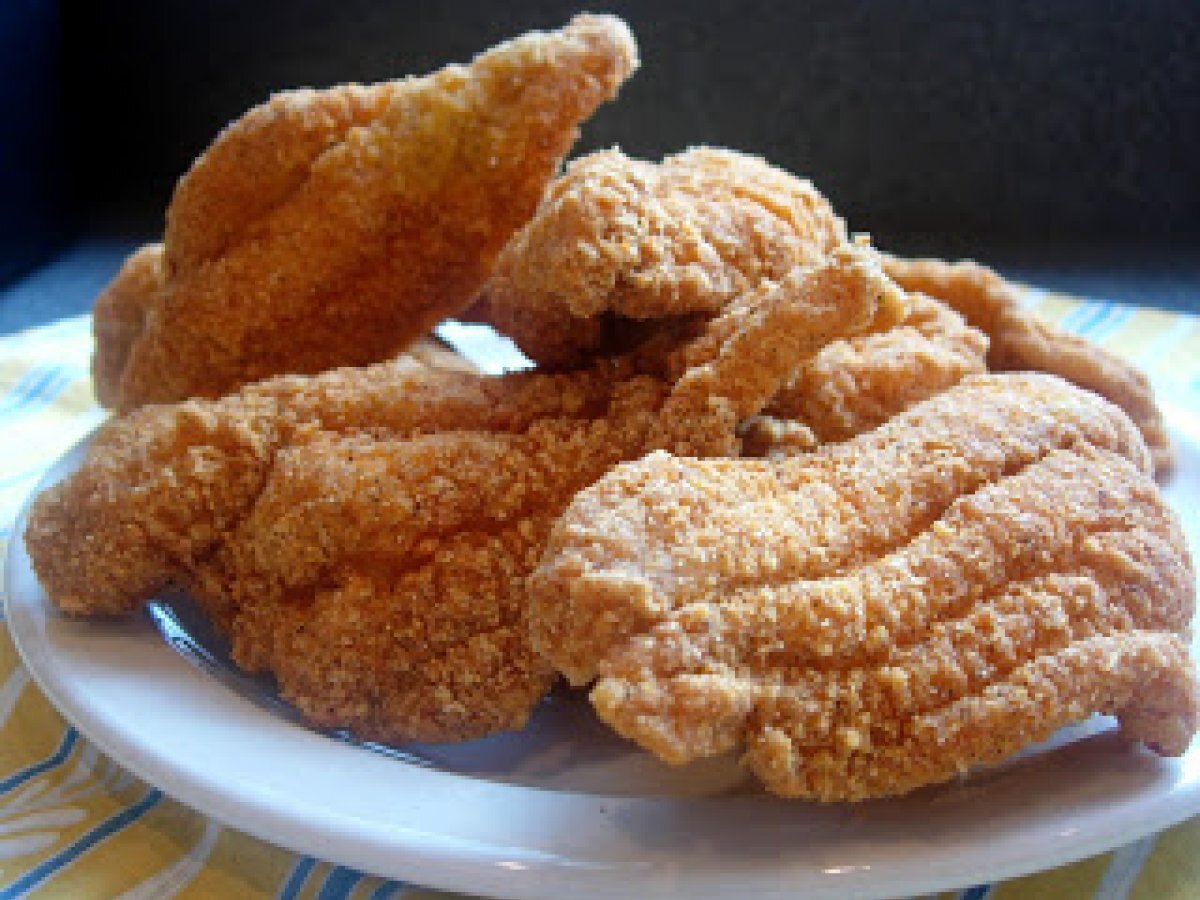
(74, 824)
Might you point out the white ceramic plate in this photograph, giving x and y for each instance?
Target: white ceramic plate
(565, 809)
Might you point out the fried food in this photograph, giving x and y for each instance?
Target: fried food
(122, 307)
(858, 383)
(1020, 341)
(618, 241)
(365, 534)
(119, 318)
(884, 613)
(334, 227)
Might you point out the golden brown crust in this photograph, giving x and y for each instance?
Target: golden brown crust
(382, 581)
(741, 353)
(883, 613)
(1020, 341)
(158, 485)
(620, 238)
(119, 317)
(858, 383)
(335, 227)
(258, 162)
(365, 534)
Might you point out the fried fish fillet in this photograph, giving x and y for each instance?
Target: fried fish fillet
(365, 534)
(1020, 341)
(858, 383)
(618, 241)
(119, 318)
(334, 227)
(884, 613)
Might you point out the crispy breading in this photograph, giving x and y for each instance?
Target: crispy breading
(884, 613)
(619, 240)
(858, 383)
(334, 227)
(365, 534)
(1021, 341)
(119, 318)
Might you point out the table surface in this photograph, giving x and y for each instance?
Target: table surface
(1166, 277)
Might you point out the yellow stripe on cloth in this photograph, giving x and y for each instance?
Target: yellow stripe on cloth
(1173, 870)
(46, 404)
(1166, 345)
(1073, 882)
(241, 866)
(170, 850)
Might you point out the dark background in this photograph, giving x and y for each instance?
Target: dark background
(1056, 139)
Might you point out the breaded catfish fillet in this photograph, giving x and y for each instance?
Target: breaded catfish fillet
(365, 534)
(858, 383)
(334, 227)
(1022, 342)
(119, 318)
(618, 241)
(882, 614)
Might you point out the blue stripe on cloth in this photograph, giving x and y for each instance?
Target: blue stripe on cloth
(1095, 315)
(1072, 317)
(52, 391)
(15, 396)
(53, 386)
(979, 892)
(56, 759)
(39, 386)
(1120, 315)
(291, 888)
(81, 845)
(339, 883)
